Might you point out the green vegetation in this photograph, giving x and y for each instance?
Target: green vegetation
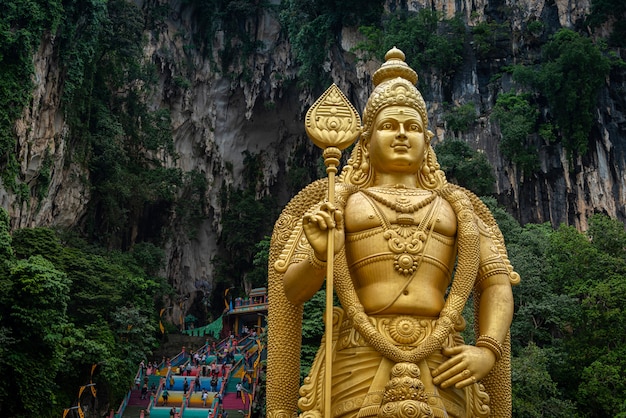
(466, 167)
(22, 26)
(517, 118)
(611, 12)
(429, 41)
(491, 39)
(535, 28)
(313, 28)
(236, 20)
(568, 334)
(460, 118)
(65, 306)
(123, 143)
(535, 393)
(569, 77)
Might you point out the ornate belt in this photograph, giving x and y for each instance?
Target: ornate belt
(404, 331)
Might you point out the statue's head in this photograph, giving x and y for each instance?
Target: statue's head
(394, 85)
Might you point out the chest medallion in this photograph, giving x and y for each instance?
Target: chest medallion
(405, 239)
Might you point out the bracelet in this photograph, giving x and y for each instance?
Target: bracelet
(315, 262)
(492, 344)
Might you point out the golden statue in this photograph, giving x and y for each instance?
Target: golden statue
(392, 233)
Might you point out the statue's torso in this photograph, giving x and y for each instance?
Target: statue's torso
(410, 277)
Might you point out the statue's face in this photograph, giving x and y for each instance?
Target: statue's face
(397, 143)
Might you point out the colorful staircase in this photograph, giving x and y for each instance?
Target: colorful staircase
(192, 406)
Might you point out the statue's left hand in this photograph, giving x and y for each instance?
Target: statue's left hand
(467, 364)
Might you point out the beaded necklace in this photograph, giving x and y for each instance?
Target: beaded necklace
(402, 206)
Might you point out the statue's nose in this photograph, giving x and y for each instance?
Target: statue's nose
(401, 131)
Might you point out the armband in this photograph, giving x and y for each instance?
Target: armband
(491, 273)
(492, 344)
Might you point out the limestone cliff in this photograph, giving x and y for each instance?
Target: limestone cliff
(216, 117)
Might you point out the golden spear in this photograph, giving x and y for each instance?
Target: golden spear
(332, 123)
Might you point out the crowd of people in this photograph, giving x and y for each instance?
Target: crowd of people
(202, 367)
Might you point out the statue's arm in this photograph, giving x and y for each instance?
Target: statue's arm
(494, 286)
(496, 311)
(304, 278)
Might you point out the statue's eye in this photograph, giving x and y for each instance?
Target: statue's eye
(386, 126)
(415, 127)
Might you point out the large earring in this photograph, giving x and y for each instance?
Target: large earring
(429, 136)
(425, 164)
(364, 158)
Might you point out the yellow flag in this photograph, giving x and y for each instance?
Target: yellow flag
(65, 411)
(93, 390)
(80, 412)
(161, 327)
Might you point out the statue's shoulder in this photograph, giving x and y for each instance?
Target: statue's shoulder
(485, 220)
(473, 202)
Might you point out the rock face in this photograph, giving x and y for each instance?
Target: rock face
(216, 118)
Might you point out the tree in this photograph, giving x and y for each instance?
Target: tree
(465, 167)
(37, 317)
(535, 394)
(312, 330)
(517, 119)
(110, 319)
(607, 235)
(542, 314)
(460, 118)
(582, 269)
(571, 74)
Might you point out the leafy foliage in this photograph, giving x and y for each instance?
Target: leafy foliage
(460, 118)
(465, 167)
(571, 73)
(312, 331)
(234, 19)
(613, 12)
(22, 26)
(258, 275)
(428, 40)
(580, 268)
(535, 394)
(518, 120)
(123, 142)
(491, 39)
(313, 26)
(66, 307)
(568, 330)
